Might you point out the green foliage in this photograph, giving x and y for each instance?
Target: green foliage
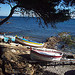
(68, 40)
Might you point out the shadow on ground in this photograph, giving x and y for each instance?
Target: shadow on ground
(25, 56)
(71, 72)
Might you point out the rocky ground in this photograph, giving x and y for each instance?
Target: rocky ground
(62, 70)
(14, 61)
(63, 41)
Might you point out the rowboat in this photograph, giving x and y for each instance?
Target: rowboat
(29, 42)
(44, 54)
(7, 37)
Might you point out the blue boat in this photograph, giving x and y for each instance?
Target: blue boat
(29, 42)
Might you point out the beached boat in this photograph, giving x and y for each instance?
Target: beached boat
(7, 37)
(44, 54)
(28, 42)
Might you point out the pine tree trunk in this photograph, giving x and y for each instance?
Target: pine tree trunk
(10, 15)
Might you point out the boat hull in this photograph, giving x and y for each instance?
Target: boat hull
(45, 56)
(27, 43)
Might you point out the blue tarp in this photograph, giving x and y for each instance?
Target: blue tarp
(6, 39)
(13, 39)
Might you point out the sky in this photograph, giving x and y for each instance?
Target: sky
(5, 10)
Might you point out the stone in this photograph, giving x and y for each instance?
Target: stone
(63, 34)
(30, 65)
(51, 42)
(13, 50)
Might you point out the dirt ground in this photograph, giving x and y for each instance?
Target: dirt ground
(14, 61)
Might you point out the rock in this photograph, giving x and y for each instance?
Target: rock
(14, 51)
(1, 72)
(0, 40)
(30, 65)
(53, 39)
(55, 47)
(74, 56)
(63, 41)
(63, 34)
(7, 22)
(18, 51)
(15, 62)
(51, 42)
(28, 52)
(2, 19)
(63, 46)
(70, 57)
(14, 44)
(12, 61)
(65, 37)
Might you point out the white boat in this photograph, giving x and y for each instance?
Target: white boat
(46, 54)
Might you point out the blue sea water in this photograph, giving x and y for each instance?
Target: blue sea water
(23, 26)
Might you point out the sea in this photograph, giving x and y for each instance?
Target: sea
(28, 26)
